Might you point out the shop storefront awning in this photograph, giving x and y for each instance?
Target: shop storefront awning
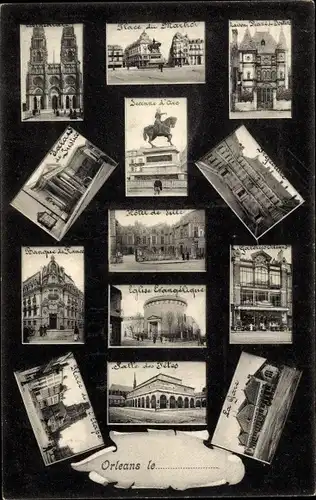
(262, 308)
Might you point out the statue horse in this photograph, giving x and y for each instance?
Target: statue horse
(160, 130)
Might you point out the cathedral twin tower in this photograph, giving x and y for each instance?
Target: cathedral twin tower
(49, 85)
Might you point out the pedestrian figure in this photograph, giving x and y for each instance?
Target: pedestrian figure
(26, 335)
(161, 67)
(41, 331)
(182, 254)
(57, 112)
(157, 186)
(188, 256)
(45, 330)
(74, 114)
(76, 333)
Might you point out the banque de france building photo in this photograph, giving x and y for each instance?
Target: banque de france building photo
(52, 299)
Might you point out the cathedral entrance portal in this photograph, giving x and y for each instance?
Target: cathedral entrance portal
(265, 98)
(52, 321)
(54, 102)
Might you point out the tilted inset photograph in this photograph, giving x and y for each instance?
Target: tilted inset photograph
(249, 182)
(256, 407)
(59, 409)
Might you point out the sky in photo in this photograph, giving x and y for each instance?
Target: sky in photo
(131, 305)
(192, 373)
(125, 37)
(73, 263)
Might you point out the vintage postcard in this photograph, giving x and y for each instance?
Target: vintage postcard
(156, 147)
(260, 69)
(249, 182)
(156, 240)
(155, 53)
(256, 407)
(51, 72)
(261, 294)
(157, 316)
(157, 392)
(64, 183)
(52, 295)
(59, 409)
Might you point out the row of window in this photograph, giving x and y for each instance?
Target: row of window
(184, 233)
(249, 297)
(260, 275)
(266, 75)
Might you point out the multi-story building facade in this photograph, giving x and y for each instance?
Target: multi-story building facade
(250, 187)
(115, 56)
(53, 85)
(185, 239)
(144, 166)
(115, 315)
(261, 292)
(50, 297)
(186, 51)
(252, 412)
(143, 53)
(163, 392)
(259, 70)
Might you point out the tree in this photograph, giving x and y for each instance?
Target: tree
(180, 324)
(170, 320)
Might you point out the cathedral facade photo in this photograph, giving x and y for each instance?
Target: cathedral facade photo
(51, 73)
(260, 69)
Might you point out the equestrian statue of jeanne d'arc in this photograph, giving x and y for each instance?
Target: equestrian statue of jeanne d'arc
(159, 128)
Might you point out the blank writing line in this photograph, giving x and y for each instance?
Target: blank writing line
(186, 467)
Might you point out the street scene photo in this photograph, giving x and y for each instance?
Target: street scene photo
(260, 73)
(156, 147)
(156, 240)
(154, 392)
(59, 409)
(256, 407)
(261, 294)
(52, 295)
(64, 183)
(155, 53)
(157, 316)
(51, 72)
(249, 182)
